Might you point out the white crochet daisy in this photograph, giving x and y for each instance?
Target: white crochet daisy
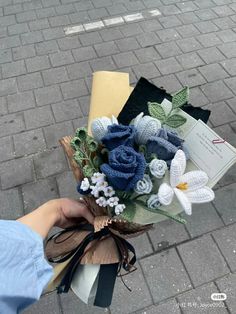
(188, 187)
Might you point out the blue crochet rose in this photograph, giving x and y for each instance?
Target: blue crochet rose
(118, 134)
(125, 168)
(165, 144)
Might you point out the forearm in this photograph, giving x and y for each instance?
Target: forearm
(43, 218)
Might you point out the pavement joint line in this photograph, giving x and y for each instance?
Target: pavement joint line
(70, 30)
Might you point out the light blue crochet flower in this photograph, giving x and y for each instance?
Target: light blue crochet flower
(125, 168)
(144, 186)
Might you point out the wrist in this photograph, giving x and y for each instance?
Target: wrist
(51, 210)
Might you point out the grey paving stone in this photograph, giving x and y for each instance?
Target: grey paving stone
(3, 106)
(103, 64)
(190, 60)
(90, 38)
(53, 76)
(202, 260)
(231, 82)
(83, 6)
(227, 132)
(206, 14)
(137, 5)
(13, 9)
(84, 53)
(150, 25)
(170, 306)
(227, 285)
(188, 17)
(11, 204)
(38, 117)
(213, 72)
(29, 81)
(18, 28)
(16, 172)
(23, 52)
(31, 37)
(61, 58)
(25, 16)
(147, 54)
(67, 185)
(7, 87)
(11, 123)
(46, 47)
(39, 24)
(168, 35)
(197, 98)
(169, 82)
(50, 163)
(48, 95)
(139, 295)
(106, 48)
(74, 89)
(79, 70)
(8, 20)
(125, 59)
(10, 42)
(79, 17)
(167, 233)
(230, 66)
(227, 35)
(13, 69)
(199, 301)
(216, 91)
(53, 33)
(223, 10)
(142, 245)
(225, 239)
(168, 66)
(167, 50)
(191, 78)
(66, 110)
(45, 12)
(162, 282)
(37, 193)
(50, 3)
(68, 43)
(60, 20)
(225, 203)
(189, 44)
(211, 55)
(188, 30)
(209, 40)
(231, 103)
(20, 101)
(29, 142)
(55, 132)
(6, 148)
(5, 55)
(65, 9)
(187, 6)
(101, 3)
(152, 3)
(228, 49)
(111, 34)
(126, 44)
(205, 4)
(203, 219)
(131, 29)
(224, 22)
(70, 302)
(206, 27)
(221, 113)
(117, 8)
(166, 22)
(97, 13)
(85, 104)
(148, 39)
(38, 63)
(148, 70)
(80, 122)
(171, 9)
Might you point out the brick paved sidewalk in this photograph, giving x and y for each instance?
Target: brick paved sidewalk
(45, 83)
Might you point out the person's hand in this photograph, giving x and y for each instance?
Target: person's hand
(69, 211)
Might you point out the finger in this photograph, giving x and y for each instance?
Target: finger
(86, 213)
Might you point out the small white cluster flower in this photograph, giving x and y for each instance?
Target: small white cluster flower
(113, 201)
(85, 185)
(98, 177)
(101, 201)
(109, 191)
(119, 209)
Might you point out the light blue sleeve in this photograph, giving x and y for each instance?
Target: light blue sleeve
(24, 271)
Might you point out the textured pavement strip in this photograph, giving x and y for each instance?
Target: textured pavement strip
(45, 82)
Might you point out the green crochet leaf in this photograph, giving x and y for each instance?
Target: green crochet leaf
(129, 212)
(81, 133)
(75, 143)
(180, 98)
(175, 121)
(91, 144)
(156, 111)
(88, 171)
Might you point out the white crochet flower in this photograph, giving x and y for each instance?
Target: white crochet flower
(85, 185)
(146, 126)
(119, 208)
(101, 201)
(94, 191)
(158, 168)
(98, 177)
(108, 191)
(99, 126)
(144, 186)
(113, 201)
(188, 187)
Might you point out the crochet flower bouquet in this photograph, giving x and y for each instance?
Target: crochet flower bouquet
(132, 170)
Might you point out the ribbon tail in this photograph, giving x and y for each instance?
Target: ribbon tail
(106, 283)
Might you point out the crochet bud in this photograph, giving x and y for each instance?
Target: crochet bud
(99, 127)
(146, 127)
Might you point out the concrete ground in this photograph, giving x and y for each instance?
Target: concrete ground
(44, 94)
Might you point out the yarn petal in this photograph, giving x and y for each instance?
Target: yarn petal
(165, 194)
(195, 179)
(184, 201)
(203, 195)
(177, 168)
